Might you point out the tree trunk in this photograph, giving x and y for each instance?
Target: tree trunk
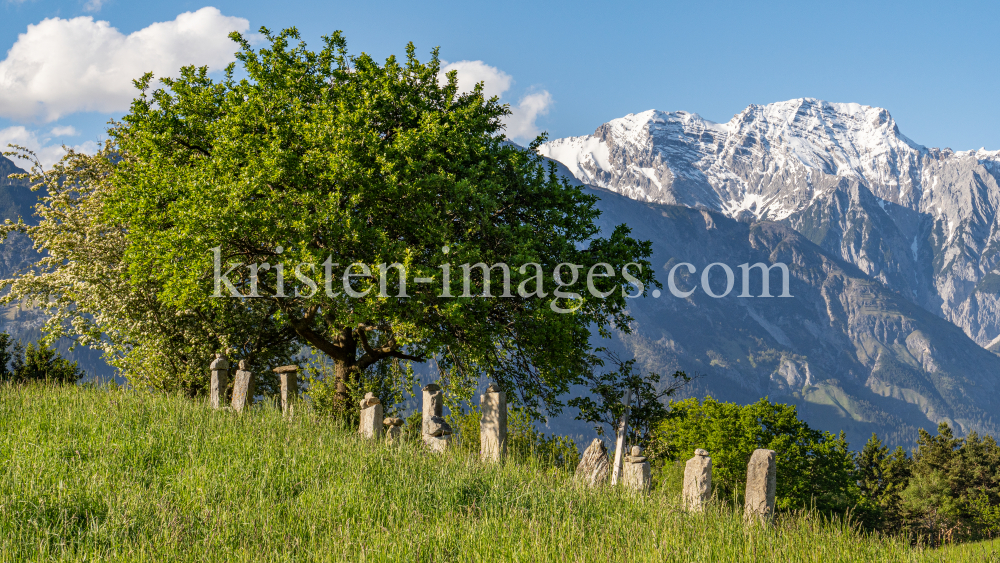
(343, 371)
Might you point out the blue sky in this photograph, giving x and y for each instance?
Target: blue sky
(566, 67)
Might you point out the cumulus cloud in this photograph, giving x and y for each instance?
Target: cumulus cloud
(48, 154)
(62, 66)
(67, 131)
(521, 122)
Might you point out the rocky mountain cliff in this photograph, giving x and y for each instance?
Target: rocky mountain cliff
(850, 352)
(922, 221)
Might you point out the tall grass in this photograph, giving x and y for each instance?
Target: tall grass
(108, 474)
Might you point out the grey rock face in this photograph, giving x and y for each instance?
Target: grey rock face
(846, 350)
(697, 481)
(594, 466)
(761, 484)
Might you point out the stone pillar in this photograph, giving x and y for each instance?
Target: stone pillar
(371, 417)
(761, 484)
(394, 432)
(697, 481)
(289, 388)
(636, 474)
(244, 388)
(220, 380)
(616, 470)
(594, 466)
(433, 405)
(493, 425)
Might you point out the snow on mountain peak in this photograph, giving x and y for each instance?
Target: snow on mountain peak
(748, 163)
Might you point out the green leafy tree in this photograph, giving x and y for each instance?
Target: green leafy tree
(954, 490)
(320, 161)
(814, 469)
(604, 405)
(82, 281)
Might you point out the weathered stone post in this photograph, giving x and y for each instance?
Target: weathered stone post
(697, 481)
(433, 405)
(435, 431)
(636, 474)
(761, 484)
(594, 465)
(220, 380)
(244, 388)
(493, 425)
(289, 388)
(371, 417)
(616, 471)
(394, 432)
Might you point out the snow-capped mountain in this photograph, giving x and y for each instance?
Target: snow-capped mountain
(923, 221)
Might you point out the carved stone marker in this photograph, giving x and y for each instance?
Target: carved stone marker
(697, 481)
(616, 471)
(761, 483)
(636, 474)
(493, 425)
(289, 388)
(594, 466)
(394, 426)
(244, 388)
(220, 380)
(434, 430)
(371, 417)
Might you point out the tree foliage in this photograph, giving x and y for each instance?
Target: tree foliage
(953, 491)
(319, 160)
(37, 362)
(91, 296)
(814, 469)
(604, 405)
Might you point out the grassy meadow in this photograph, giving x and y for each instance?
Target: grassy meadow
(106, 474)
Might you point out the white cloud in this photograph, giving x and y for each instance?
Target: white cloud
(62, 66)
(495, 81)
(67, 131)
(93, 5)
(521, 122)
(47, 153)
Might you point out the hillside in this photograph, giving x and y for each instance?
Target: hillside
(849, 352)
(105, 474)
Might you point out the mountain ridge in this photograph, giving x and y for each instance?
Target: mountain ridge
(921, 220)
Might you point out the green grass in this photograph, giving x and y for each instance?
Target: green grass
(980, 551)
(106, 474)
